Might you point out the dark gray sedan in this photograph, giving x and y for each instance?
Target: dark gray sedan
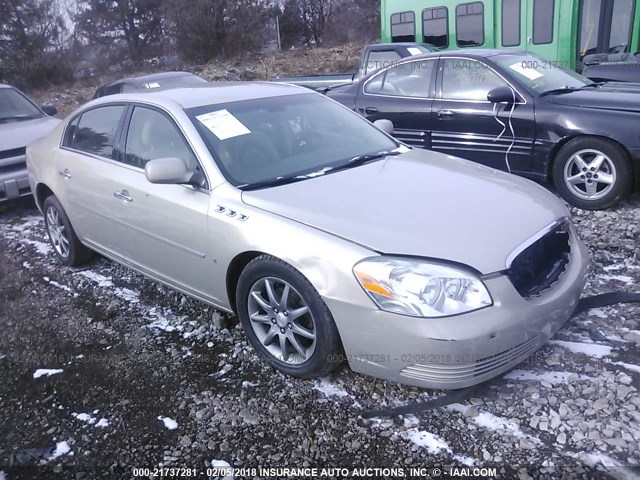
(21, 122)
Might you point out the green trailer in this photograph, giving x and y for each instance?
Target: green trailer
(561, 31)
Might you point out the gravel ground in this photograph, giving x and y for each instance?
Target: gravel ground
(103, 370)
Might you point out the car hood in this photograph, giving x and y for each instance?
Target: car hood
(21, 133)
(422, 204)
(611, 96)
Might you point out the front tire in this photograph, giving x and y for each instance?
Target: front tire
(286, 320)
(592, 173)
(62, 236)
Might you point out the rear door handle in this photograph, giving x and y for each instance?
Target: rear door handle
(123, 195)
(371, 110)
(445, 114)
(64, 173)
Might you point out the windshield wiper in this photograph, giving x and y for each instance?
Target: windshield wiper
(362, 159)
(18, 117)
(274, 182)
(559, 91)
(592, 85)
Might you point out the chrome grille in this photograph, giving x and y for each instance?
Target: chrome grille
(453, 373)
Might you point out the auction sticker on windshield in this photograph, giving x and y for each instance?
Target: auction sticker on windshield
(527, 72)
(223, 124)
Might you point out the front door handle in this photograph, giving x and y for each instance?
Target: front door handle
(371, 110)
(64, 173)
(123, 195)
(445, 114)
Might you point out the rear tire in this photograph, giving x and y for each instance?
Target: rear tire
(592, 173)
(69, 249)
(286, 320)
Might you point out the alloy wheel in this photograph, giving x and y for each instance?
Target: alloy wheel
(590, 174)
(57, 232)
(282, 320)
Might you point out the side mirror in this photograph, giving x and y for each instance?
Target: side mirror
(172, 171)
(501, 95)
(385, 125)
(49, 110)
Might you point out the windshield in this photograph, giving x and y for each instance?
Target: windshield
(255, 141)
(15, 106)
(540, 75)
(173, 82)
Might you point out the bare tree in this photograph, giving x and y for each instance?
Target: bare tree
(206, 29)
(31, 34)
(131, 30)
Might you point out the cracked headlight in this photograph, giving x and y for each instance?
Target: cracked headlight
(421, 288)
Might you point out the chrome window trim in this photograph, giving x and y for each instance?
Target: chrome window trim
(117, 163)
(524, 102)
(127, 104)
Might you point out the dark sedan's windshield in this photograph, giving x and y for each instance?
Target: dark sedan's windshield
(172, 82)
(15, 106)
(278, 138)
(540, 75)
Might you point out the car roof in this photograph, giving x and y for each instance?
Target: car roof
(210, 94)
(148, 78)
(4, 85)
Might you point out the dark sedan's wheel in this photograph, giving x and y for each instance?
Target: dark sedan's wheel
(592, 173)
(63, 237)
(286, 320)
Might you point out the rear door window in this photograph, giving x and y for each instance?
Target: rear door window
(96, 130)
(408, 79)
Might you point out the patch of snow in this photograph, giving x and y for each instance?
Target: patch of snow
(598, 312)
(28, 266)
(246, 384)
(610, 268)
(223, 467)
(59, 285)
(433, 443)
(41, 247)
(226, 369)
(168, 423)
(329, 389)
(101, 280)
(618, 278)
(550, 377)
(422, 438)
(62, 448)
(103, 423)
(591, 349)
(628, 366)
(85, 417)
(41, 372)
(492, 422)
(127, 295)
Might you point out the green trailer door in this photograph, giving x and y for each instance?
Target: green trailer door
(542, 27)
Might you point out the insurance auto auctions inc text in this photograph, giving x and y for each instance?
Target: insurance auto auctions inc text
(376, 472)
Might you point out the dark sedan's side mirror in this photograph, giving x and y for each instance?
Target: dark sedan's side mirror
(502, 94)
(50, 110)
(170, 171)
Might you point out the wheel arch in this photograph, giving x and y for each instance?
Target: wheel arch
(41, 194)
(236, 266)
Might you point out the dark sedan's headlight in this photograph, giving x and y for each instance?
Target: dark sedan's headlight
(420, 288)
